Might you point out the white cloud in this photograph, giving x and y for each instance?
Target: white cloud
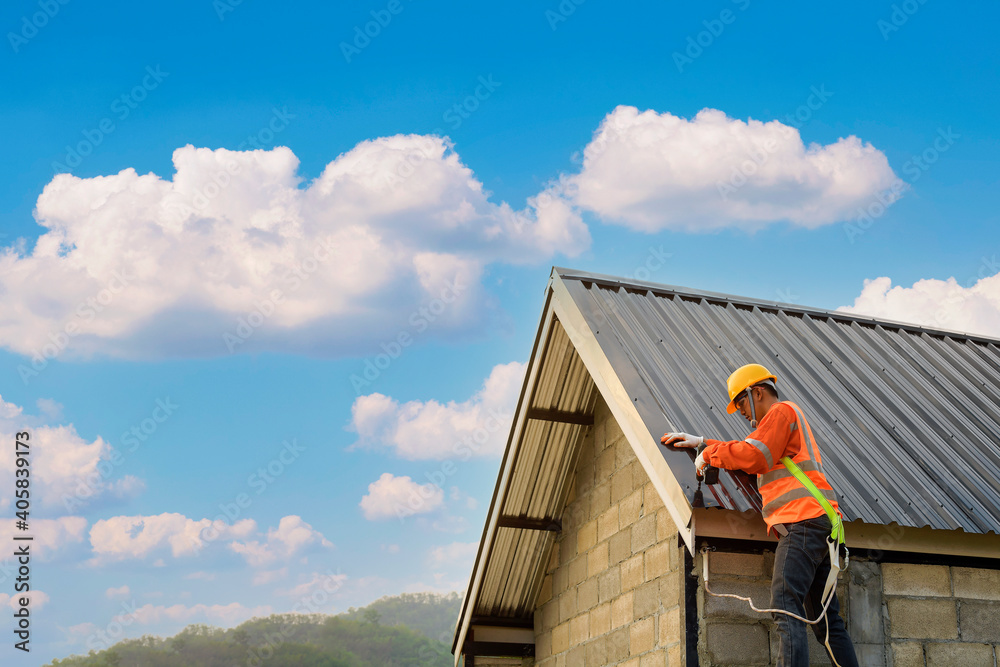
(67, 471)
(942, 304)
(120, 592)
(651, 171)
(431, 430)
(391, 496)
(51, 535)
(226, 614)
(136, 266)
(292, 536)
(38, 600)
(461, 553)
(331, 583)
(122, 537)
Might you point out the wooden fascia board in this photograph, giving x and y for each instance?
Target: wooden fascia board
(714, 522)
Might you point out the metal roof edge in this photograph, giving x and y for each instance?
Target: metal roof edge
(503, 479)
(631, 423)
(660, 288)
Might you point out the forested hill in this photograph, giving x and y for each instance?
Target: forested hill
(373, 636)
(432, 615)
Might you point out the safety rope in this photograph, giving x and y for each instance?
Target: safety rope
(827, 598)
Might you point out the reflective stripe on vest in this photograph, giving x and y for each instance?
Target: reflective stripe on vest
(763, 449)
(807, 436)
(782, 472)
(794, 494)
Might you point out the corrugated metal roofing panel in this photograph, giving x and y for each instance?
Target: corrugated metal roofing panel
(538, 484)
(908, 419)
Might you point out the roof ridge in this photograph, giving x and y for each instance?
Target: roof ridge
(610, 280)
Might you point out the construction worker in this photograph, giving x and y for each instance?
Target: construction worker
(802, 559)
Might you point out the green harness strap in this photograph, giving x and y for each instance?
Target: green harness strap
(837, 534)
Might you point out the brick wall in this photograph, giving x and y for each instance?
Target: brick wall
(898, 615)
(612, 593)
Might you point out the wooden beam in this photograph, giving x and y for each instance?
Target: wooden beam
(498, 650)
(502, 622)
(524, 523)
(561, 416)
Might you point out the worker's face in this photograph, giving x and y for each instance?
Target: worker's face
(744, 405)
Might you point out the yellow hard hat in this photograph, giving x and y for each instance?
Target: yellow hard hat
(743, 377)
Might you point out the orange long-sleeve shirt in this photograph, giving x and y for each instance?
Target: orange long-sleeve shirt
(774, 434)
(780, 433)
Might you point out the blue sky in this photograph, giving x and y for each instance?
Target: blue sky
(272, 148)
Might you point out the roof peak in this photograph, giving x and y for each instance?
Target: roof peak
(609, 280)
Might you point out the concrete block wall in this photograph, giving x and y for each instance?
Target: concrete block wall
(942, 615)
(731, 632)
(898, 615)
(612, 593)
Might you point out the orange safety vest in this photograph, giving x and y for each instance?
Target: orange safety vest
(783, 431)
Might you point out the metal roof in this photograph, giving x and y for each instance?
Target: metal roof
(907, 418)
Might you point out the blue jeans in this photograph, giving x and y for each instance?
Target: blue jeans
(801, 566)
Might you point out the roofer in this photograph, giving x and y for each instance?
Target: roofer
(802, 559)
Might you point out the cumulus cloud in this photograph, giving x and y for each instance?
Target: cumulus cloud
(940, 304)
(138, 266)
(67, 471)
(650, 171)
(51, 535)
(391, 496)
(432, 430)
(123, 537)
(292, 536)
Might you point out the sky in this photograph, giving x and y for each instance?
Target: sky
(271, 273)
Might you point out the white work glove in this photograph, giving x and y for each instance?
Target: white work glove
(700, 463)
(682, 440)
